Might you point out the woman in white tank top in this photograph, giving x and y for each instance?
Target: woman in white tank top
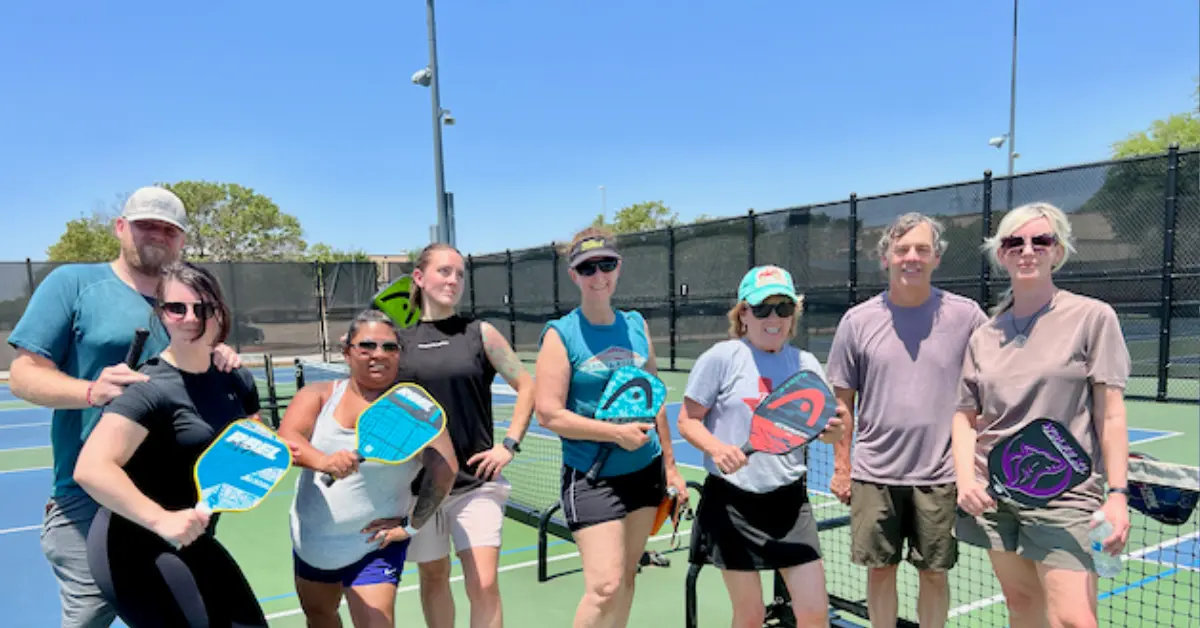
(351, 538)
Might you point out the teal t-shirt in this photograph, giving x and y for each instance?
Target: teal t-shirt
(82, 318)
(595, 351)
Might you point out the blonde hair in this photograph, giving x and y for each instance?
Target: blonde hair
(1012, 221)
(738, 330)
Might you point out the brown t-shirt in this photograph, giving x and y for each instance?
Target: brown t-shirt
(1075, 343)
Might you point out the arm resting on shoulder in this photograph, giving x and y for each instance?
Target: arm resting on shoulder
(38, 380)
(100, 471)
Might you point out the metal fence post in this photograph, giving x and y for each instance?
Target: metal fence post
(237, 337)
(554, 277)
(29, 276)
(985, 264)
(1168, 272)
(471, 281)
(674, 312)
(852, 283)
(750, 239)
(512, 313)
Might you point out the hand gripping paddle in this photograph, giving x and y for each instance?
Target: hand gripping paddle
(792, 415)
(240, 467)
(631, 395)
(397, 426)
(396, 301)
(1038, 463)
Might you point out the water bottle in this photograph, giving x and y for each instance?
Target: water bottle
(1107, 565)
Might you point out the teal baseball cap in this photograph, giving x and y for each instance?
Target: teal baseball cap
(766, 281)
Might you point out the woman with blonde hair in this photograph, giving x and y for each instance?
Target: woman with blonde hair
(611, 517)
(755, 514)
(1046, 352)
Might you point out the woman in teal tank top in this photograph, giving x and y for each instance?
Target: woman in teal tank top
(577, 355)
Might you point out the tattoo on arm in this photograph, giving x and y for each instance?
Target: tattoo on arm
(503, 358)
(436, 482)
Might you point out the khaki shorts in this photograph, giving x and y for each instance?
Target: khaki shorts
(882, 517)
(1057, 537)
(473, 519)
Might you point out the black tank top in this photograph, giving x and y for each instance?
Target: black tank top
(447, 358)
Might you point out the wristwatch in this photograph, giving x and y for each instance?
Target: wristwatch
(1124, 491)
(512, 445)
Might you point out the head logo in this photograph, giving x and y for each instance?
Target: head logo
(591, 243)
(769, 275)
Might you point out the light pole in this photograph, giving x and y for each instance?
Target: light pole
(1011, 136)
(428, 77)
(603, 200)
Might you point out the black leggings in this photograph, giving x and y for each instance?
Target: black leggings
(151, 584)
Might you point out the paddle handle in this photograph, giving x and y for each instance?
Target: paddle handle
(328, 479)
(135, 350)
(200, 507)
(594, 472)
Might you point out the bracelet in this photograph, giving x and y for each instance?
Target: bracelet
(88, 396)
(409, 530)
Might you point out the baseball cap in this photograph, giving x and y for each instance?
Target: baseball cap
(155, 203)
(592, 247)
(766, 281)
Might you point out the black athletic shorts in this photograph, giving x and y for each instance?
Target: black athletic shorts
(587, 503)
(151, 584)
(742, 531)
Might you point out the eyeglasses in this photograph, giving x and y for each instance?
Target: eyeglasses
(177, 309)
(1039, 242)
(784, 309)
(589, 268)
(369, 346)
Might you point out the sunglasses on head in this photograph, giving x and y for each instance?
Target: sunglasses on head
(367, 346)
(203, 310)
(589, 268)
(784, 309)
(1039, 242)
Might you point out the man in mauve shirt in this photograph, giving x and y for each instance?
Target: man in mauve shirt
(900, 354)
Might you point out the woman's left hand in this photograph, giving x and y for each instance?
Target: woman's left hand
(491, 462)
(387, 530)
(1116, 511)
(835, 428)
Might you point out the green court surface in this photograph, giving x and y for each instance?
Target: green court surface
(1157, 588)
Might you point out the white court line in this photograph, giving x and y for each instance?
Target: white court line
(1154, 438)
(16, 425)
(513, 567)
(25, 469)
(24, 448)
(20, 529)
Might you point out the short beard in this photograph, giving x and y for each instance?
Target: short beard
(149, 259)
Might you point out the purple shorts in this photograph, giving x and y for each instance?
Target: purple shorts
(382, 566)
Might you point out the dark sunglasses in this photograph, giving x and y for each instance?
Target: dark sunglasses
(1043, 241)
(784, 309)
(589, 268)
(203, 310)
(367, 346)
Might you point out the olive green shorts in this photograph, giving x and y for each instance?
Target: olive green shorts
(1056, 537)
(883, 517)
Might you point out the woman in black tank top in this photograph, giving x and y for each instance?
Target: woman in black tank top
(457, 359)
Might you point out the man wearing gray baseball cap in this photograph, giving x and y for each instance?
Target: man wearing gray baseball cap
(71, 345)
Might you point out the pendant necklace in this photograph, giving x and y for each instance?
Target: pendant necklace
(1023, 334)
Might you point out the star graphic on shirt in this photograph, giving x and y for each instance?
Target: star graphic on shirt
(764, 389)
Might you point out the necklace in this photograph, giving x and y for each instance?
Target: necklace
(1023, 334)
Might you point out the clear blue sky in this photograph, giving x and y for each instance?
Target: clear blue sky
(712, 106)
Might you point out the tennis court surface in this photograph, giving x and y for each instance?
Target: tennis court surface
(1158, 587)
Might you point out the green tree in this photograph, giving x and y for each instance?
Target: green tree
(229, 222)
(1181, 128)
(86, 239)
(321, 252)
(639, 217)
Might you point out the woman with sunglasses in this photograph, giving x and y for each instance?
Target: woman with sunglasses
(153, 555)
(1046, 352)
(350, 538)
(755, 514)
(457, 359)
(610, 518)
